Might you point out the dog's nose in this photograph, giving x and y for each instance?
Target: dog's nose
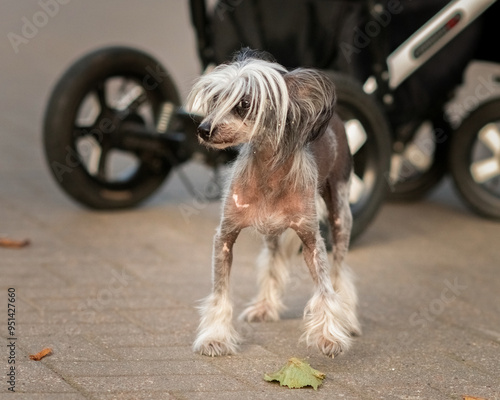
(204, 130)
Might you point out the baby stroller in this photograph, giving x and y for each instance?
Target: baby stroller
(412, 56)
(114, 127)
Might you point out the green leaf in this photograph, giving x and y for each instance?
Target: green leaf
(296, 374)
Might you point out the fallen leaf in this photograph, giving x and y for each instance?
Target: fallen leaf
(472, 398)
(296, 374)
(38, 356)
(13, 244)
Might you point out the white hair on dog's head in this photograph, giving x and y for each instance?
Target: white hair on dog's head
(258, 82)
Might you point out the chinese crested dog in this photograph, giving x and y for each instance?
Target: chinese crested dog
(293, 153)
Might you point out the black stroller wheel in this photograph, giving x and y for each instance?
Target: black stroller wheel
(475, 159)
(419, 167)
(370, 142)
(100, 95)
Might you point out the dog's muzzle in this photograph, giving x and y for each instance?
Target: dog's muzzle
(204, 130)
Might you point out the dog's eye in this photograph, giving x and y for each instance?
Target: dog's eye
(242, 108)
(244, 105)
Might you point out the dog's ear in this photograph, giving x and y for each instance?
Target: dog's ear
(312, 102)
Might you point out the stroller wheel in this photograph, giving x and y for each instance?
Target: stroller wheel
(475, 159)
(370, 142)
(100, 96)
(420, 164)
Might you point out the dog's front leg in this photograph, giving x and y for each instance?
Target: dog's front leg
(327, 325)
(216, 334)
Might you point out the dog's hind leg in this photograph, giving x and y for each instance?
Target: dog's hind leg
(216, 334)
(336, 198)
(272, 278)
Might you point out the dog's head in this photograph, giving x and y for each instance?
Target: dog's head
(256, 100)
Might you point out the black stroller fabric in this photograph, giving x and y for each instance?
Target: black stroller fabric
(297, 32)
(311, 33)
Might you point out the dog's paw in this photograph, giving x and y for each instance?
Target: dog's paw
(215, 348)
(261, 311)
(329, 347)
(328, 326)
(217, 341)
(327, 343)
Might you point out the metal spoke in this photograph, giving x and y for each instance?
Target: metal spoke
(490, 137)
(132, 99)
(89, 111)
(101, 163)
(419, 159)
(94, 159)
(356, 138)
(356, 135)
(357, 189)
(396, 168)
(484, 170)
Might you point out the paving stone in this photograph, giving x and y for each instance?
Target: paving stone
(145, 340)
(75, 329)
(152, 395)
(279, 393)
(171, 382)
(65, 347)
(34, 377)
(156, 353)
(133, 368)
(166, 320)
(43, 396)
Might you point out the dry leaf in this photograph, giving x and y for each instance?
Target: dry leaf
(297, 374)
(472, 398)
(13, 244)
(38, 356)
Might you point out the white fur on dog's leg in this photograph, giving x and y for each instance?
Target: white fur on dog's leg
(346, 290)
(327, 325)
(216, 334)
(260, 311)
(273, 275)
(343, 279)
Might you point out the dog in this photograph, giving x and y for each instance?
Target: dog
(293, 152)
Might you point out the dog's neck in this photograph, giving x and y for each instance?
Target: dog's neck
(258, 167)
(263, 157)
